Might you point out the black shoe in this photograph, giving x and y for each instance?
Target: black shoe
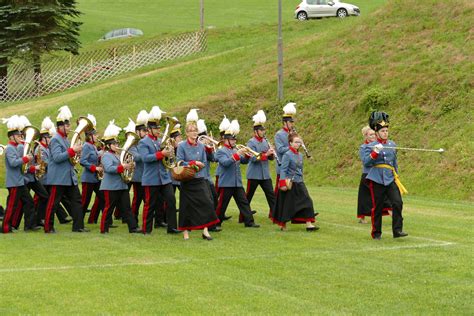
(33, 229)
(136, 230)
(81, 230)
(173, 231)
(215, 229)
(51, 231)
(161, 224)
(316, 214)
(226, 218)
(252, 225)
(66, 220)
(113, 226)
(312, 229)
(206, 237)
(399, 234)
(254, 212)
(377, 237)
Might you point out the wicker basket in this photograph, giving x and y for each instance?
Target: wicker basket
(183, 173)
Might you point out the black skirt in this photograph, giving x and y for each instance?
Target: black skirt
(364, 200)
(196, 207)
(294, 205)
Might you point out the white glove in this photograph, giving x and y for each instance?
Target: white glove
(378, 148)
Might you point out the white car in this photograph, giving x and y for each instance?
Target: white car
(324, 8)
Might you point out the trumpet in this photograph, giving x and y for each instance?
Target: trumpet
(308, 155)
(248, 151)
(209, 141)
(2, 149)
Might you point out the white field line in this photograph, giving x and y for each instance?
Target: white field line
(437, 241)
(311, 252)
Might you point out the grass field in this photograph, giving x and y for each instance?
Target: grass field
(337, 270)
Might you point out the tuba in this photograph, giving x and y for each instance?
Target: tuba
(31, 135)
(168, 143)
(40, 162)
(2, 149)
(83, 125)
(126, 156)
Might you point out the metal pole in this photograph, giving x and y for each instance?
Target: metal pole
(202, 15)
(280, 54)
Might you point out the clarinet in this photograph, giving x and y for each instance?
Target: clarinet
(308, 155)
(275, 154)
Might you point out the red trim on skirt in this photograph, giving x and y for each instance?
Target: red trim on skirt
(215, 222)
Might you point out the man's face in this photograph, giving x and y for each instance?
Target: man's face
(155, 131)
(142, 133)
(289, 125)
(232, 142)
(260, 133)
(67, 128)
(18, 138)
(383, 133)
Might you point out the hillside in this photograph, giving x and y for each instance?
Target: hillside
(410, 58)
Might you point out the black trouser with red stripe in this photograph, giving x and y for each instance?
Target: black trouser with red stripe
(238, 193)
(60, 212)
(16, 196)
(42, 196)
(120, 199)
(137, 198)
(378, 193)
(267, 187)
(74, 196)
(87, 189)
(154, 196)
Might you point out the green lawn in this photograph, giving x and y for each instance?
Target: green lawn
(337, 270)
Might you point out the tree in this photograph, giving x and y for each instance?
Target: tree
(7, 47)
(43, 26)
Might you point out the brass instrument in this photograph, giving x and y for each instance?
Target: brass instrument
(248, 151)
(209, 141)
(31, 135)
(308, 155)
(40, 162)
(2, 149)
(168, 143)
(83, 125)
(126, 156)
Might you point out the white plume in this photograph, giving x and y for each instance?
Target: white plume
(155, 114)
(192, 116)
(259, 118)
(130, 127)
(234, 127)
(64, 114)
(112, 130)
(47, 124)
(12, 122)
(290, 108)
(224, 124)
(201, 126)
(52, 131)
(24, 122)
(92, 119)
(142, 117)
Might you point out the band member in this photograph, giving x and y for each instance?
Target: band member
(258, 171)
(364, 199)
(156, 179)
(42, 151)
(230, 179)
(91, 173)
(62, 176)
(196, 205)
(114, 189)
(210, 156)
(281, 138)
(136, 183)
(383, 177)
(15, 181)
(293, 204)
(177, 138)
(225, 124)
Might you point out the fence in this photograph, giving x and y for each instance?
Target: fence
(62, 73)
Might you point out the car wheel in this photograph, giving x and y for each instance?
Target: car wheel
(302, 16)
(341, 13)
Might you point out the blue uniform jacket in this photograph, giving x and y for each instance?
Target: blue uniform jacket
(137, 158)
(211, 157)
(154, 172)
(60, 170)
(188, 153)
(44, 152)
(13, 162)
(229, 162)
(89, 160)
(386, 156)
(361, 156)
(258, 169)
(281, 146)
(292, 166)
(112, 180)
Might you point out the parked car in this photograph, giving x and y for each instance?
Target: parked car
(324, 8)
(121, 33)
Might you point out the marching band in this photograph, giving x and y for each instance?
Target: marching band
(154, 164)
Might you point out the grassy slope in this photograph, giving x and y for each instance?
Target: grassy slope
(337, 270)
(422, 63)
